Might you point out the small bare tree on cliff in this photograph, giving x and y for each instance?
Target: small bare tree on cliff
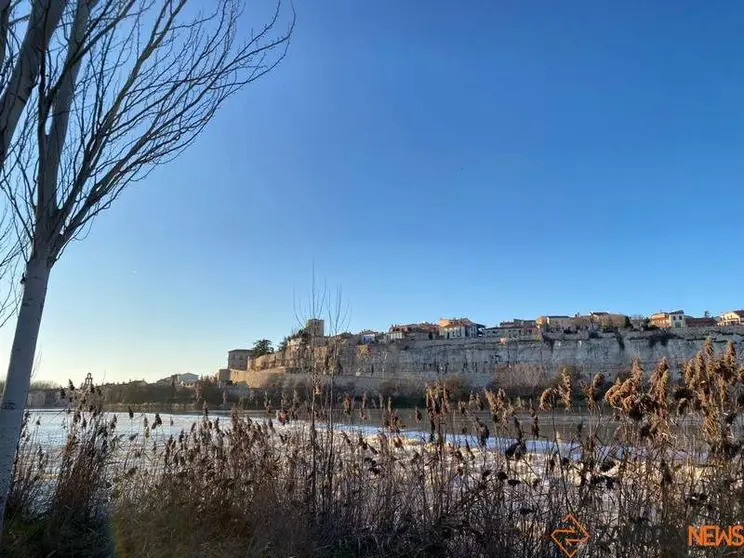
(97, 94)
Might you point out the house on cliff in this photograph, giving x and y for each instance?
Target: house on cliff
(595, 321)
(554, 323)
(368, 336)
(609, 319)
(512, 330)
(420, 331)
(458, 328)
(668, 320)
(732, 318)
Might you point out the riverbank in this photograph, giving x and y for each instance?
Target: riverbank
(483, 476)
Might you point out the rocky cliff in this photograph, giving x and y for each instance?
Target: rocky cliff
(479, 359)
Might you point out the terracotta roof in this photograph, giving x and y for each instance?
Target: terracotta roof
(667, 313)
(460, 322)
(401, 327)
(739, 313)
(423, 326)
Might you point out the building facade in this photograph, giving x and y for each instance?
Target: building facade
(222, 376)
(609, 319)
(367, 336)
(315, 327)
(239, 359)
(554, 323)
(512, 330)
(420, 331)
(732, 318)
(458, 328)
(668, 320)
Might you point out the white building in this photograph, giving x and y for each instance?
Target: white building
(367, 336)
(394, 335)
(668, 320)
(734, 317)
(458, 328)
(187, 380)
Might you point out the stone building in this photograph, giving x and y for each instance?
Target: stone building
(239, 359)
(554, 323)
(315, 327)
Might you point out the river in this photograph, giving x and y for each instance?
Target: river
(49, 430)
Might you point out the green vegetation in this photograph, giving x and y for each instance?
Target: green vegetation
(661, 336)
(41, 384)
(261, 347)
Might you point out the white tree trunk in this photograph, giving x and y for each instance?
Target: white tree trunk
(44, 19)
(19, 370)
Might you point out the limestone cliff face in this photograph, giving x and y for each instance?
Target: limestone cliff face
(480, 358)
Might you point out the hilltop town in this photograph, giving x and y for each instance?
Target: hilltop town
(411, 354)
(516, 329)
(455, 346)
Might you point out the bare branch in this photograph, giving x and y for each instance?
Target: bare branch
(121, 87)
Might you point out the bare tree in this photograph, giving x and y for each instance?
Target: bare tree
(335, 316)
(100, 92)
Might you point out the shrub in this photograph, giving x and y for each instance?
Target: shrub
(620, 340)
(661, 336)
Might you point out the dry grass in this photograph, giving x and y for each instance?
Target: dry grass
(293, 487)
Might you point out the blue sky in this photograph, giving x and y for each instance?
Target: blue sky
(490, 159)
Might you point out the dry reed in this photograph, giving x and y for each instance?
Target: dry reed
(480, 483)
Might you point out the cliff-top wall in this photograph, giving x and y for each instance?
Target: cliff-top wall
(479, 359)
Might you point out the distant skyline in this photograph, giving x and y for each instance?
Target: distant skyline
(491, 160)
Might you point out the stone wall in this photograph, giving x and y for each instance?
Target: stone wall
(413, 362)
